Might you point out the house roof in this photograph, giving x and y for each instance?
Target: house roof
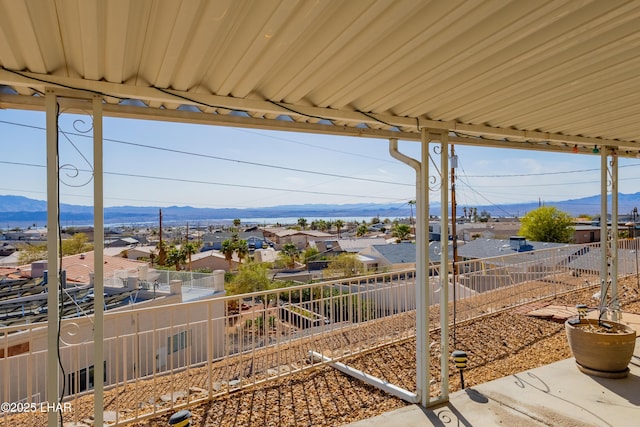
(79, 266)
(10, 260)
(534, 75)
(224, 235)
(356, 245)
(145, 249)
(284, 232)
(211, 253)
(488, 248)
(7, 271)
(399, 253)
(130, 240)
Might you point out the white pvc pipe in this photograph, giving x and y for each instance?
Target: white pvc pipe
(394, 390)
(422, 265)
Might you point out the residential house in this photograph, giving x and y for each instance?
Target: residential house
(6, 249)
(214, 240)
(213, 260)
(488, 248)
(301, 238)
(37, 234)
(348, 245)
(389, 256)
(139, 252)
(191, 307)
(87, 230)
(12, 260)
(488, 230)
(17, 235)
(265, 255)
(121, 242)
(508, 258)
(397, 256)
(588, 233)
(329, 248)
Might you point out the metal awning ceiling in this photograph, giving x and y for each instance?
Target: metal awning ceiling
(547, 75)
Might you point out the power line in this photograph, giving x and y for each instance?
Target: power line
(465, 182)
(358, 155)
(544, 173)
(200, 155)
(172, 150)
(193, 181)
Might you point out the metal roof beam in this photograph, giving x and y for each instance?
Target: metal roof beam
(405, 128)
(185, 116)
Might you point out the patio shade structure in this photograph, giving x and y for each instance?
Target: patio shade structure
(557, 76)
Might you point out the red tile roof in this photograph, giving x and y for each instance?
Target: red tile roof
(79, 266)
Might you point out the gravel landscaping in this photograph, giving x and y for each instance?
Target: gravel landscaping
(498, 345)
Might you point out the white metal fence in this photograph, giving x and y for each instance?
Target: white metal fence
(159, 359)
(160, 279)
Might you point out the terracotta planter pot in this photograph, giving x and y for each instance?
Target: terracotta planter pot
(603, 354)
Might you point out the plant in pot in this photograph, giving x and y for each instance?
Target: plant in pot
(601, 347)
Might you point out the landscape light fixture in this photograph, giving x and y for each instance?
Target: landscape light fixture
(180, 419)
(460, 360)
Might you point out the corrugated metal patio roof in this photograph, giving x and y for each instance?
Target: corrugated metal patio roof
(546, 75)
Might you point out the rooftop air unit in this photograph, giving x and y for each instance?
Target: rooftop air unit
(518, 243)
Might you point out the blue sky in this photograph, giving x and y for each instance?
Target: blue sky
(210, 166)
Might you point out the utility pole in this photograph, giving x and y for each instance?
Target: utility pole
(162, 256)
(454, 164)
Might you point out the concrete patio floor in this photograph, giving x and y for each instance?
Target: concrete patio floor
(556, 395)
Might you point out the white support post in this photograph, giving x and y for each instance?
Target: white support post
(615, 304)
(98, 266)
(444, 264)
(604, 241)
(53, 261)
(423, 360)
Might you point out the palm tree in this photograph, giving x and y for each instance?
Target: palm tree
(339, 224)
(152, 256)
(401, 231)
(176, 257)
(228, 248)
(189, 249)
(322, 225)
(362, 230)
(162, 253)
(236, 222)
(242, 249)
(302, 222)
(291, 251)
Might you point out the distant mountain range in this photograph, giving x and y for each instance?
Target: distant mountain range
(18, 211)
